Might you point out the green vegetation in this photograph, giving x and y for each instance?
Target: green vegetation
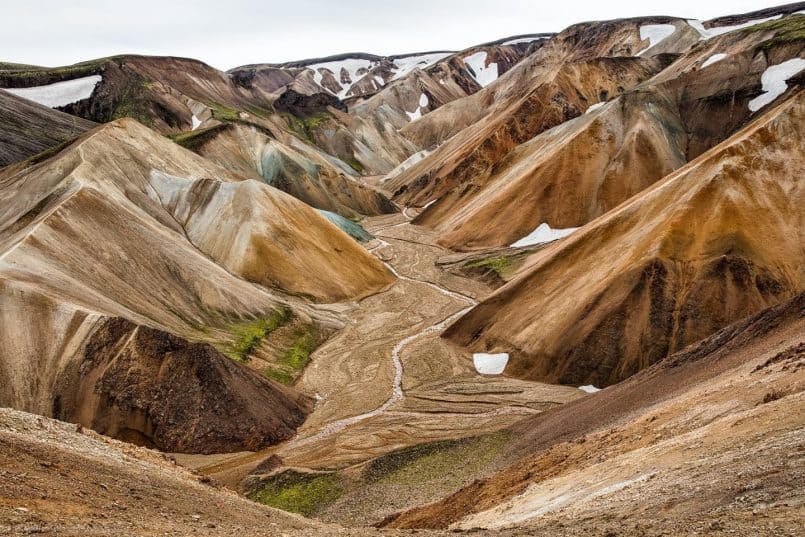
(305, 494)
(788, 30)
(224, 113)
(293, 361)
(503, 265)
(193, 140)
(306, 127)
(355, 164)
(248, 335)
(438, 462)
(134, 103)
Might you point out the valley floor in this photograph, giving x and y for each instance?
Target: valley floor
(388, 381)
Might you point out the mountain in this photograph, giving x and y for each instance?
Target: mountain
(715, 241)
(121, 224)
(354, 75)
(614, 151)
(550, 284)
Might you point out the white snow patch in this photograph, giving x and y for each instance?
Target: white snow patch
(655, 33)
(595, 106)
(196, 122)
(521, 40)
(713, 59)
(423, 100)
(709, 33)
(351, 65)
(490, 364)
(484, 74)
(413, 116)
(59, 93)
(409, 63)
(589, 388)
(543, 234)
(773, 80)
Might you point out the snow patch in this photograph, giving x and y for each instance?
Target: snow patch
(655, 33)
(713, 59)
(413, 116)
(543, 234)
(521, 40)
(709, 33)
(59, 93)
(595, 106)
(353, 68)
(490, 364)
(196, 122)
(589, 388)
(773, 80)
(484, 74)
(423, 100)
(422, 61)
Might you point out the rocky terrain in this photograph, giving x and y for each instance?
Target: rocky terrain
(547, 285)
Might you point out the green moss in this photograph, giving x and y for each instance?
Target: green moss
(193, 140)
(134, 103)
(305, 494)
(293, 361)
(307, 126)
(503, 266)
(355, 165)
(224, 113)
(248, 335)
(438, 461)
(788, 30)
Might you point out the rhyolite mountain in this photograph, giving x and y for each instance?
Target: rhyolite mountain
(550, 284)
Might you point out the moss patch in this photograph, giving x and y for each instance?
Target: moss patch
(305, 494)
(194, 140)
(293, 361)
(437, 462)
(224, 113)
(248, 335)
(306, 127)
(788, 30)
(501, 266)
(355, 164)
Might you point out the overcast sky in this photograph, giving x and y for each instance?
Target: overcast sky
(228, 33)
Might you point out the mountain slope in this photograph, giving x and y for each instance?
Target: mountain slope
(126, 224)
(713, 242)
(27, 128)
(700, 442)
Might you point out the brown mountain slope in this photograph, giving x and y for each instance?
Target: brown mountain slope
(60, 481)
(569, 175)
(125, 223)
(27, 128)
(708, 439)
(247, 227)
(300, 170)
(524, 105)
(713, 242)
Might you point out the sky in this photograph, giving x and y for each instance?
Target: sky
(229, 33)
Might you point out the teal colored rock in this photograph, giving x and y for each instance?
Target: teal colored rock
(347, 226)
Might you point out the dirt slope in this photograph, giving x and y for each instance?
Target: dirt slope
(713, 242)
(59, 481)
(708, 439)
(27, 128)
(301, 171)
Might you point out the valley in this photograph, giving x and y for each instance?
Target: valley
(551, 284)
